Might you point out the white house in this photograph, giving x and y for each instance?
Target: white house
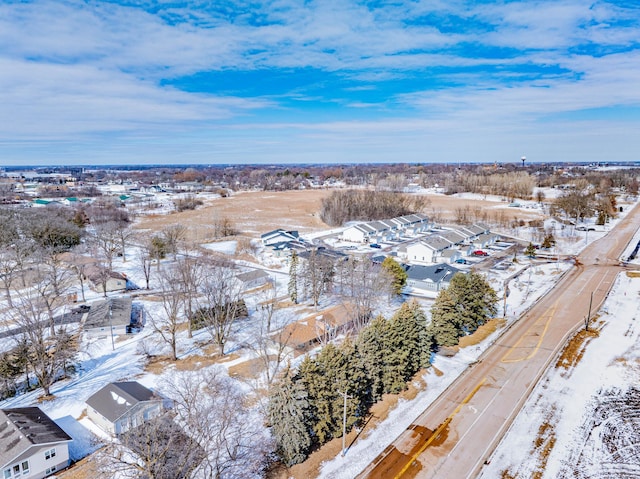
(360, 233)
(427, 250)
(278, 236)
(31, 444)
(119, 406)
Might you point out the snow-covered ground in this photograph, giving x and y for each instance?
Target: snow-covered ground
(591, 413)
(525, 290)
(99, 364)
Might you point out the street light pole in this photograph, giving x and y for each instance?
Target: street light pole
(344, 421)
(113, 344)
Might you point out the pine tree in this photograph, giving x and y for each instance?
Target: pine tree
(372, 351)
(321, 397)
(293, 278)
(445, 326)
(480, 302)
(397, 357)
(530, 251)
(291, 418)
(417, 330)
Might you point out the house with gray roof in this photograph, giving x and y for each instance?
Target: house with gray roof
(279, 236)
(109, 316)
(385, 230)
(31, 444)
(253, 278)
(120, 406)
(423, 279)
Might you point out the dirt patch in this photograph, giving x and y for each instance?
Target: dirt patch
(84, 469)
(158, 364)
(633, 274)
(248, 369)
(575, 348)
(482, 333)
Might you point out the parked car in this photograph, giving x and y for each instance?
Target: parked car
(375, 245)
(461, 261)
(585, 228)
(479, 252)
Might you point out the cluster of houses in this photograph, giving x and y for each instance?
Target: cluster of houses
(387, 230)
(33, 445)
(447, 245)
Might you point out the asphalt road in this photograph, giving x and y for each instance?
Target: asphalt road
(456, 434)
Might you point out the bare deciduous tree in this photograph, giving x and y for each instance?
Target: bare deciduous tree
(168, 323)
(221, 302)
(156, 449)
(48, 348)
(105, 238)
(361, 284)
(173, 236)
(211, 409)
(189, 270)
(269, 341)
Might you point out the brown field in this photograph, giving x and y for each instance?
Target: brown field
(257, 212)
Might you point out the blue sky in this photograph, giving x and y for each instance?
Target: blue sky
(327, 81)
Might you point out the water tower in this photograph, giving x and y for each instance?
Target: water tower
(523, 159)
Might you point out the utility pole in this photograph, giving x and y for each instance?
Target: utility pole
(344, 420)
(506, 295)
(588, 320)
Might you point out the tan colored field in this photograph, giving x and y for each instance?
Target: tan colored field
(257, 212)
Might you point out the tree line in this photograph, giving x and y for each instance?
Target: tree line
(306, 405)
(365, 205)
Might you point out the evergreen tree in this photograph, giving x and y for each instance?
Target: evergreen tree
(548, 241)
(320, 396)
(293, 278)
(397, 357)
(479, 302)
(445, 327)
(291, 418)
(416, 328)
(460, 309)
(397, 273)
(530, 251)
(372, 351)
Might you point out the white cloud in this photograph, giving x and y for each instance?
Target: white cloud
(76, 70)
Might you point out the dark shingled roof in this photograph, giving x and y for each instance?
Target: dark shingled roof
(98, 316)
(115, 399)
(21, 428)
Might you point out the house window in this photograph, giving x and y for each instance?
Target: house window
(25, 468)
(7, 473)
(50, 470)
(50, 453)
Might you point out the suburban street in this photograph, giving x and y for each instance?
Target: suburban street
(456, 434)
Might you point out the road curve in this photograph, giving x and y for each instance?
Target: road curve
(458, 432)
